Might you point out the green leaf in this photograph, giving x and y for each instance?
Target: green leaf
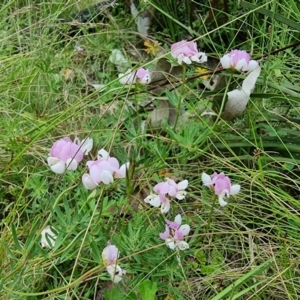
(117, 294)
(147, 289)
(15, 237)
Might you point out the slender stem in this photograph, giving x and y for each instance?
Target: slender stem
(181, 97)
(211, 214)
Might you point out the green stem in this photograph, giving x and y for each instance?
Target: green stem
(211, 213)
(181, 97)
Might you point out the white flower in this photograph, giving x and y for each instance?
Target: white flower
(110, 255)
(115, 272)
(175, 233)
(48, 238)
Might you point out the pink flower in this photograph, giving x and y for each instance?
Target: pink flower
(221, 185)
(171, 188)
(165, 190)
(239, 60)
(187, 52)
(175, 233)
(141, 76)
(110, 255)
(66, 155)
(105, 169)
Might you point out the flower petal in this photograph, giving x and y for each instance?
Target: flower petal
(115, 272)
(87, 145)
(185, 229)
(178, 219)
(72, 164)
(182, 245)
(165, 206)
(153, 200)
(103, 154)
(180, 195)
(106, 177)
(206, 179)
(222, 201)
(182, 185)
(253, 64)
(225, 61)
(170, 243)
(88, 182)
(122, 171)
(56, 165)
(235, 189)
(165, 235)
(110, 255)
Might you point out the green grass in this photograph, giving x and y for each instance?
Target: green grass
(246, 250)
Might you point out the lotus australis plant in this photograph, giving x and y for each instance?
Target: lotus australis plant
(110, 255)
(104, 169)
(221, 185)
(166, 190)
(175, 233)
(239, 60)
(141, 76)
(187, 52)
(66, 155)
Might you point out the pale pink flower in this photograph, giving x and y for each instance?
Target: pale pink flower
(110, 255)
(164, 191)
(171, 188)
(175, 233)
(187, 52)
(239, 60)
(221, 185)
(104, 169)
(66, 155)
(141, 76)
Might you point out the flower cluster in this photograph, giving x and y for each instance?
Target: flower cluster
(104, 169)
(141, 76)
(165, 191)
(221, 185)
(110, 255)
(66, 155)
(187, 52)
(175, 233)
